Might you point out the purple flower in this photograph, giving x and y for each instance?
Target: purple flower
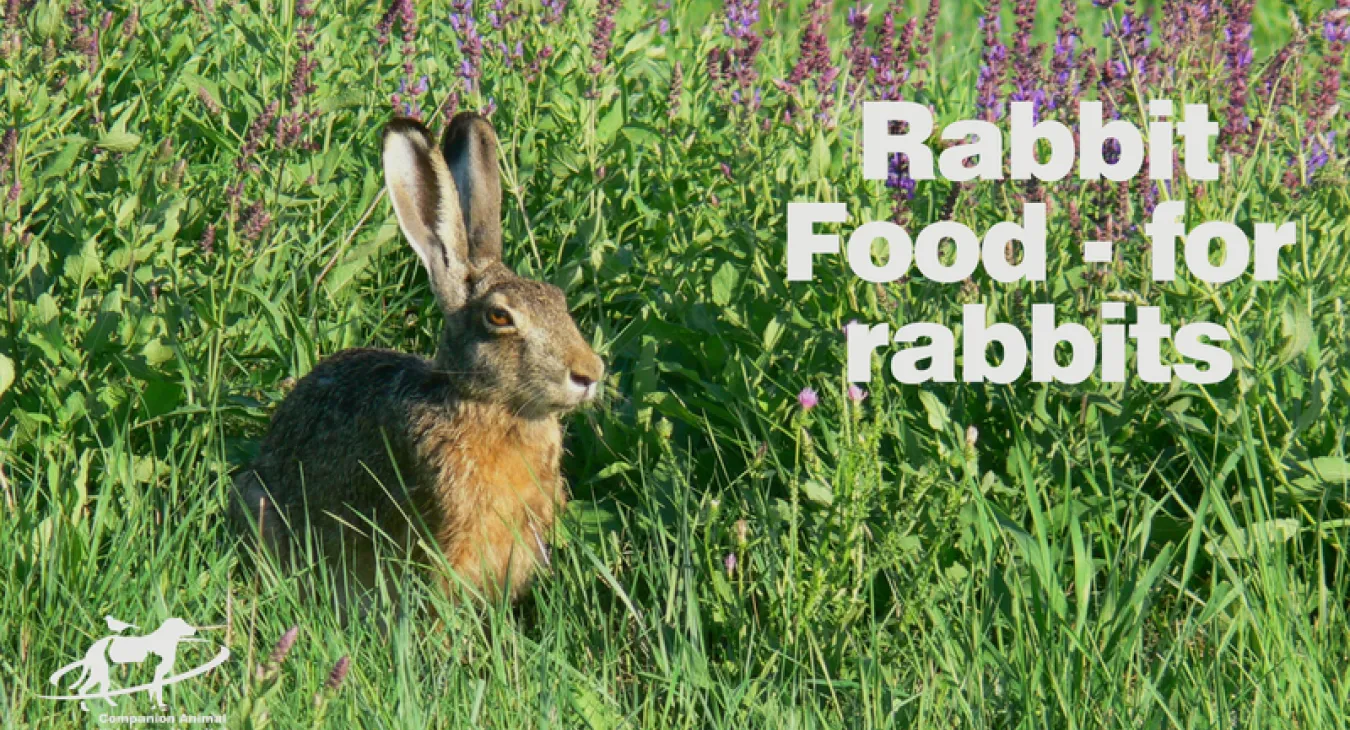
(898, 177)
(211, 106)
(291, 128)
(676, 89)
(1063, 56)
(602, 34)
(7, 146)
(553, 10)
(1318, 155)
(253, 138)
(406, 13)
(731, 563)
(808, 399)
(208, 242)
(384, 28)
(856, 394)
(813, 60)
(1238, 56)
(1336, 32)
(469, 42)
(130, 25)
(734, 66)
(84, 38)
(925, 40)
(256, 220)
(338, 674)
(887, 64)
(279, 652)
(859, 55)
(994, 60)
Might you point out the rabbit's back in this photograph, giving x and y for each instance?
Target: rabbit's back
(341, 438)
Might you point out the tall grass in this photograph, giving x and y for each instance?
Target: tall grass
(193, 217)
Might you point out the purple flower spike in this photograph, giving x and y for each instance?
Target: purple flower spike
(994, 62)
(602, 34)
(1237, 50)
(813, 61)
(733, 67)
(553, 10)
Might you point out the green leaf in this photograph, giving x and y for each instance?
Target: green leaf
(85, 265)
(724, 283)
(6, 373)
(937, 411)
(1329, 469)
(1298, 332)
(156, 352)
(610, 123)
(65, 159)
(588, 522)
(642, 135)
(772, 332)
(118, 141)
(1243, 542)
(819, 167)
(818, 492)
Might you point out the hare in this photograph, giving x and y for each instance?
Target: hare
(467, 443)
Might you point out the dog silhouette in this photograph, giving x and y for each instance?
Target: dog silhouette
(162, 642)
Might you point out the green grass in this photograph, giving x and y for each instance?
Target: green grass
(1103, 555)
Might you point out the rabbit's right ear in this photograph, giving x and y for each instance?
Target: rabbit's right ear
(426, 202)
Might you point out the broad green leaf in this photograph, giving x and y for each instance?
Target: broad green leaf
(119, 141)
(65, 159)
(610, 123)
(818, 492)
(724, 283)
(1243, 543)
(1298, 332)
(936, 410)
(6, 373)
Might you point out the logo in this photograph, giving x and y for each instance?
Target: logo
(94, 681)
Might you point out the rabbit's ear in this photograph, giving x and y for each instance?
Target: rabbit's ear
(470, 147)
(427, 205)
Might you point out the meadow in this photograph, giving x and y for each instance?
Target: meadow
(193, 216)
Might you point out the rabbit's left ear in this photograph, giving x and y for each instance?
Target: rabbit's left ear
(470, 149)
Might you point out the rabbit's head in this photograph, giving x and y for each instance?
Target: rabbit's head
(506, 339)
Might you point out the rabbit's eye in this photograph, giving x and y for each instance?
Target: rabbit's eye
(498, 317)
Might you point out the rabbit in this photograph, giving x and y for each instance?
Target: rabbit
(467, 443)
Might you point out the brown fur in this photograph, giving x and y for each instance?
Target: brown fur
(486, 483)
(467, 444)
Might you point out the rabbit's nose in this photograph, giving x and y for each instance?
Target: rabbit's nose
(585, 376)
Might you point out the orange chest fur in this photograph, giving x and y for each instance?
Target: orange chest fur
(515, 478)
(498, 490)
